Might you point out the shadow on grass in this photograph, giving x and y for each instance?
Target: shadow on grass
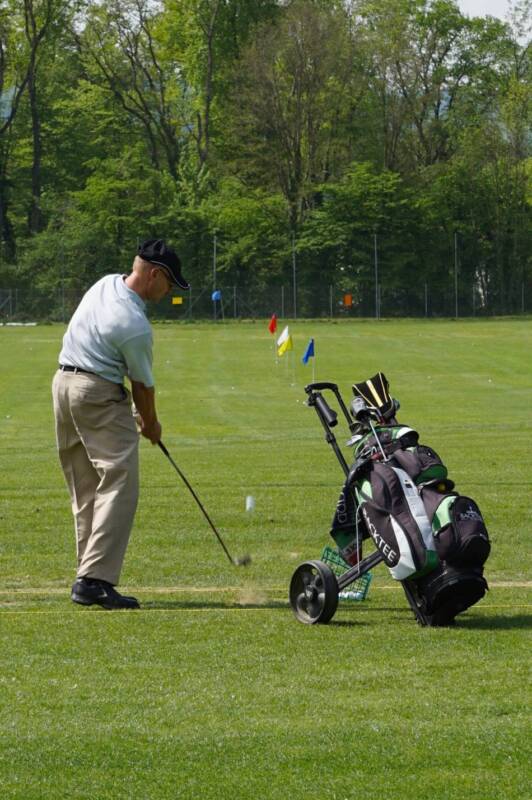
(379, 609)
(39, 605)
(357, 617)
(496, 622)
(229, 605)
(485, 622)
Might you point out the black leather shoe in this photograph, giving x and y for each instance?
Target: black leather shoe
(90, 591)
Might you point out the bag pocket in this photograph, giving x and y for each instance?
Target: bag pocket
(459, 531)
(421, 463)
(471, 535)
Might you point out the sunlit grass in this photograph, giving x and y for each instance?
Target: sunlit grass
(213, 690)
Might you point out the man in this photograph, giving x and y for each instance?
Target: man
(109, 337)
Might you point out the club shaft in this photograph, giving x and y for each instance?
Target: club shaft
(196, 498)
(375, 434)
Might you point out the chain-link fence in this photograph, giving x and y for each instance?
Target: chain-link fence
(233, 302)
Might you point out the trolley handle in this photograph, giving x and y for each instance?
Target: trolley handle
(330, 416)
(313, 390)
(317, 387)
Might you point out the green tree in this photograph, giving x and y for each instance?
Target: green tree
(120, 47)
(427, 59)
(291, 97)
(314, 124)
(251, 227)
(97, 228)
(44, 22)
(366, 208)
(206, 38)
(14, 76)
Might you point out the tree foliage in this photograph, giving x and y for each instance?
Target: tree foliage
(314, 129)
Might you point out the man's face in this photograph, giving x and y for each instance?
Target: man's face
(161, 285)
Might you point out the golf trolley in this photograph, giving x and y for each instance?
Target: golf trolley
(397, 494)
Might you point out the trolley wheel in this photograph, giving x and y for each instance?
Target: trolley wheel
(314, 593)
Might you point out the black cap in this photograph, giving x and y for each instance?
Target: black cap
(156, 252)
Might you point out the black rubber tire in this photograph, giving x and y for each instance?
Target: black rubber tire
(314, 593)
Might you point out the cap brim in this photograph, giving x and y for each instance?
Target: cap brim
(177, 281)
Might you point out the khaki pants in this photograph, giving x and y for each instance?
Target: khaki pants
(98, 448)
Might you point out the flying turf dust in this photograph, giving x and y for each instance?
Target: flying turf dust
(249, 596)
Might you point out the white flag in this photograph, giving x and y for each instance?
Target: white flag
(284, 342)
(283, 337)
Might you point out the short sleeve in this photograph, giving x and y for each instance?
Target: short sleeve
(137, 353)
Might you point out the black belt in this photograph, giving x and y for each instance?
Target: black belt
(68, 368)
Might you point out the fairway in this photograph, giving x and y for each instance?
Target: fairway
(212, 689)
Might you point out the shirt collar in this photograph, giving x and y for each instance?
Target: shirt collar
(125, 291)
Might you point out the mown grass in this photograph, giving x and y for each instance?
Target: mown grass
(213, 690)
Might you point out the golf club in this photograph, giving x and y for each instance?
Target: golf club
(237, 562)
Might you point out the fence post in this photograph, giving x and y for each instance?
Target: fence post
(8, 301)
(214, 262)
(376, 259)
(456, 275)
(330, 300)
(234, 302)
(294, 274)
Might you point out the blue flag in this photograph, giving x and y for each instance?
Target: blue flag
(309, 352)
(216, 295)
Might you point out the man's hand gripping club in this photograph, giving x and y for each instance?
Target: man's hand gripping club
(146, 415)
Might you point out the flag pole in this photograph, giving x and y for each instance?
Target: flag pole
(293, 367)
(272, 327)
(310, 353)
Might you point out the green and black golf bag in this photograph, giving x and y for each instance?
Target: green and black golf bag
(397, 493)
(402, 497)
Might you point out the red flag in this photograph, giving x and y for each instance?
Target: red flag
(272, 327)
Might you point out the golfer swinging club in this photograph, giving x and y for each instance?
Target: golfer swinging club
(109, 337)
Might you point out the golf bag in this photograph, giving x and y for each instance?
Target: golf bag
(398, 494)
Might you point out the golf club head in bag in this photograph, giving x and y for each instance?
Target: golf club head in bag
(375, 394)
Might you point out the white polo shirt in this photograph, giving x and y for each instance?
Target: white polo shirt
(109, 333)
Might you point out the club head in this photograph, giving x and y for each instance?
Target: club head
(243, 561)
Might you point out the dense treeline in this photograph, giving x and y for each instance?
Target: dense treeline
(325, 131)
